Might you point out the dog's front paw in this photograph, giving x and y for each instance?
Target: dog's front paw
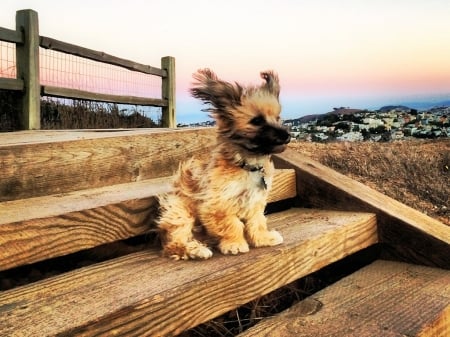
(268, 238)
(230, 247)
(275, 238)
(196, 250)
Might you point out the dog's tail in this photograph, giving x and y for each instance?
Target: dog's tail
(188, 176)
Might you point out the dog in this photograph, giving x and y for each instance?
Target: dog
(223, 198)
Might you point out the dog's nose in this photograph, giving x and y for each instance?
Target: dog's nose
(283, 136)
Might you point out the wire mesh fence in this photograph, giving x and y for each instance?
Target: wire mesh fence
(73, 72)
(7, 60)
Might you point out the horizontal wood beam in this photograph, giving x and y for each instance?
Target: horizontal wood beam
(142, 294)
(39, 163)
(11, 84)
(53, 44)
(10, 35)
(92, 96)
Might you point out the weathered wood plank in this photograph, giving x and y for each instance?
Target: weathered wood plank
(27, 61)
(67, 162)
(168, 92)
(408, 235)
(283, 186)
(152, 296)
(40, 228)
(11, 84)
(10, 35)
(53, 44)
(382, 299)
(36, 229)
(94, 96)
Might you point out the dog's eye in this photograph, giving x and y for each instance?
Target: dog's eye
(259, 120)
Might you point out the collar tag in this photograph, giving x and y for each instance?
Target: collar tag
(263, 183)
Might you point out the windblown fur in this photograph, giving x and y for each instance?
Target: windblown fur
(221, 202)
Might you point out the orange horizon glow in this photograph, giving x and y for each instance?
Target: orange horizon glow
(345, 50)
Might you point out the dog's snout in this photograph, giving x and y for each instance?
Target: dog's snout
(283, 136)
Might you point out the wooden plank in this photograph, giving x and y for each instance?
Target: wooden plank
(36, 229)
(68, 162)
(11, 84)
(142, 294)
(28, 138)
(382, 299)
(93, 96)
(168, 92)
(53, 44)
(27, 61)
(283, 186)
(10, 35)
(408, 235)
(40, 228)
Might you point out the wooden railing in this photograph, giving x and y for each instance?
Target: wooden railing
(27, 40)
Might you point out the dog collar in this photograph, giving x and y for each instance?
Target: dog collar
(255, 168)
(252, 168)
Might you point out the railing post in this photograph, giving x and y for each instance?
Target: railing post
(27, 56)
(168, 92)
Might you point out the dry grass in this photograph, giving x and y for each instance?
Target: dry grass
(414, 172)
(78, 114)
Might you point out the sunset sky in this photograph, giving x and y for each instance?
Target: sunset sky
(328, 53)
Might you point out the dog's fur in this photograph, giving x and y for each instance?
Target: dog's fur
(225, 197)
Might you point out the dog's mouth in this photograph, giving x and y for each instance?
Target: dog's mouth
(279, 148)
(269, 140)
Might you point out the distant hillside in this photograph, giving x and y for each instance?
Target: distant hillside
(388, 108)
(349, 111)
(336, 111)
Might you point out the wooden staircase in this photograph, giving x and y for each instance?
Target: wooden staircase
(84, 202)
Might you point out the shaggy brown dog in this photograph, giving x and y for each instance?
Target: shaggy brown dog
(225, 196)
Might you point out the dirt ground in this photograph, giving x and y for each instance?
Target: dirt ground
(414, 172)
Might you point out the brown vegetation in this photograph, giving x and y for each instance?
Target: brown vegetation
(76, 114)
(414, 172)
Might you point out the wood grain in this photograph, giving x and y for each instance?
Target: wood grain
(37, 164)
(39, 228)
(408, 235)
(144, 295)
(382, 299)
(283, 186)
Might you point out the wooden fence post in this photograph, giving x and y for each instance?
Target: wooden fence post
(168, 92)
(27, 56)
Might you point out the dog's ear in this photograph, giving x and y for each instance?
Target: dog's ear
(272, 84)
(222, 95)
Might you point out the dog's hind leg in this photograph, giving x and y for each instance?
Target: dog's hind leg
(176, 224)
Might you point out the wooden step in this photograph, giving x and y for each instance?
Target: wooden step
(382, 299)
(142, 294)
(39, 228)
(39, 163)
